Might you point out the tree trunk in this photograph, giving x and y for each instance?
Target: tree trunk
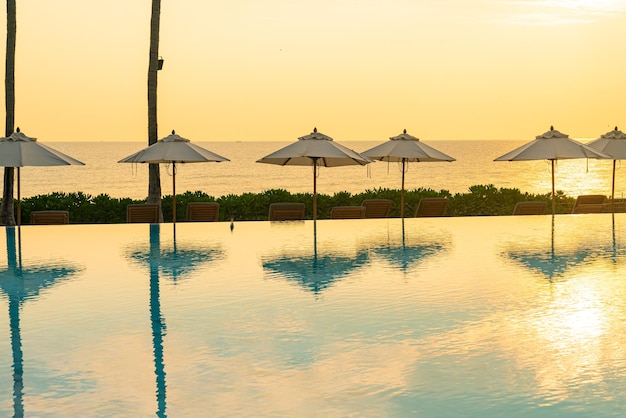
(7, 216)
(154, 175)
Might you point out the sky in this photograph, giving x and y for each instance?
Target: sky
(272, 70)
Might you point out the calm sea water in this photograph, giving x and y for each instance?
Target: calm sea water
(474, 166)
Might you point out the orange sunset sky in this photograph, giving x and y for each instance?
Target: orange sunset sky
(268, 70)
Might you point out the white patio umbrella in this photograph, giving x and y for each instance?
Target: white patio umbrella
(173, 149)
(405, 148)
(316, 150)
(612, 143)
(552, 146)
(19, 150)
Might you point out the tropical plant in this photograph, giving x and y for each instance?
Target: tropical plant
(485, 200)
(481, 200)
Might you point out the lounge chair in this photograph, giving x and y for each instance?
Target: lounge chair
(203, 211)
(50, 217)
(347, 212)
(617, 205)
(590, 203)
(142, 213)
(530, 208)
(431, 206)
(287, 211)
(377, 208)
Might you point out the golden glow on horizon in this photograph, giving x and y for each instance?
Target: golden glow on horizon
(562, 12)
(272, 70)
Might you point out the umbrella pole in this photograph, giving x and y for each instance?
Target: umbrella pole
(613, 235)
(314, 189)
(402, 192)
(315, 240)
(174, 191)
(613, 190)
(19, 200)
(553, 195)
(19, 247)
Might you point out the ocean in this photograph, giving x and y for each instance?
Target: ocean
(474, 165)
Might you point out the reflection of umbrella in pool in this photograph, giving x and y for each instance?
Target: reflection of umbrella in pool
(552, 146)
(173, 149)
(612, 143)
(19, 150)
(316, 150)
(173, 263)
(617, 249)
(405, 148)
(315, 272)
(550, 262)
(405, 255)
(176, 260)
(21, 283)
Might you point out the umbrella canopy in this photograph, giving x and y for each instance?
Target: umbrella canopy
(612, 143)
(173, 149)
(549, 264)
(551, 145)
(316, 150)
(26, 282)
(19, 150)
(312, 270)
(404, 148)
(174, 261)
(318, 271)
(403, 256)
(549, 260)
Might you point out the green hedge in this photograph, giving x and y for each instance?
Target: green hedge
(482, 200)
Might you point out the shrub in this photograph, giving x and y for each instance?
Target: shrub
(481, 200)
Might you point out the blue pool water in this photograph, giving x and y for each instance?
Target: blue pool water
(447, 317)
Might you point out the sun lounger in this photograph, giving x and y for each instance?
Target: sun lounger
(146, 213)
(203, 211)
(617, 205)
(530, 208)
(287, 211)
(50, 217)
(347, 212)
(377, 208)
(431, 207)
(591, 203)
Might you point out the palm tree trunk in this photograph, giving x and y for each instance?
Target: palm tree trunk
(154, 175)
(7, 216)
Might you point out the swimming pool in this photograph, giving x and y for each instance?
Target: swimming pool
(447, 317)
